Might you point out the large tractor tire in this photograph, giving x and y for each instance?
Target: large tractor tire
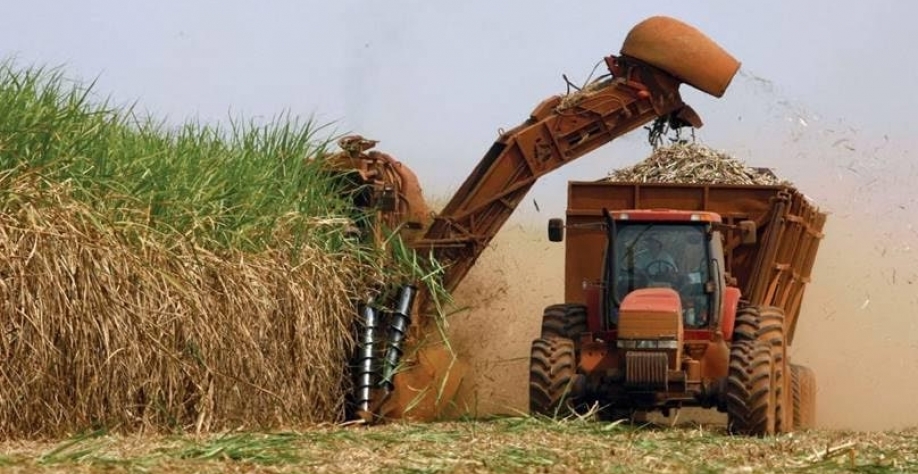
(751, 396)
(803, 396)
(553, 378)
(757, 323)
(567, 321)
(765, 325)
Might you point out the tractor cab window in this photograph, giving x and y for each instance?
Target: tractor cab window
(665, 256)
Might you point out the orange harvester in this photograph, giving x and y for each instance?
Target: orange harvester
(714, 338)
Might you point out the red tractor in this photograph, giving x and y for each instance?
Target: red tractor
(680, 295)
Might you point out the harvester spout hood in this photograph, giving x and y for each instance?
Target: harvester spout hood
(683, 52)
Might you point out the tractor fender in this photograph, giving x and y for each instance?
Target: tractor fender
(728, 317)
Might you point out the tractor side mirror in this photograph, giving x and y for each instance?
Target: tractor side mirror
(556, 229)
(747, 232)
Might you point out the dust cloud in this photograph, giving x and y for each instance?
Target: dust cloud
(858, 326)
(501, 303)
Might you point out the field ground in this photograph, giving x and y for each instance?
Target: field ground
(511, 444)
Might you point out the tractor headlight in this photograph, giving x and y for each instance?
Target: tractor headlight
(647, 344)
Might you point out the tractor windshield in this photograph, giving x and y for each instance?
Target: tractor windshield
(650, 255)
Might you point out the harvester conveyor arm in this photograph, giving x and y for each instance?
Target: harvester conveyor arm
(558, 131)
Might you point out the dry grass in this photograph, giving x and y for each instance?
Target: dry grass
(693, 163)
(573, 99)
(111, 324)
(501, 445)
(158, 278)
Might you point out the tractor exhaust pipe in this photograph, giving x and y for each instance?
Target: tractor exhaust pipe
(367, 360)
(399, 322)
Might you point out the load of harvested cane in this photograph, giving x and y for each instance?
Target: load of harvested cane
(693, 163)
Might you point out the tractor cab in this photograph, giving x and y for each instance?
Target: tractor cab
(662, 249)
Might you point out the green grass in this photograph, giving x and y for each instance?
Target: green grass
(503, 445)
(244, 185)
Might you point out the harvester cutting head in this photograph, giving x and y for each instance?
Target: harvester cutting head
(381, 185)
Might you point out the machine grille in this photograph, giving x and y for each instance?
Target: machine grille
(646, 369)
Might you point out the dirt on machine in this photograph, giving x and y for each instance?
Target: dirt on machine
(627, 345)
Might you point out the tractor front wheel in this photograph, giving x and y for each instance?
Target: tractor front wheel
(567, 321)
(554, 384)
(765, 325)
(752, 395)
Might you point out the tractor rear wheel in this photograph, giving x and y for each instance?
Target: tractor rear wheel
(803, 396)
(553, 378)
(751, 396)
(566, 321)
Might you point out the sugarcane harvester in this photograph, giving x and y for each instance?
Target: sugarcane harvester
(641, 86)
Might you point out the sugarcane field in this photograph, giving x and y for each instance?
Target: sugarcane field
(232, 240)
